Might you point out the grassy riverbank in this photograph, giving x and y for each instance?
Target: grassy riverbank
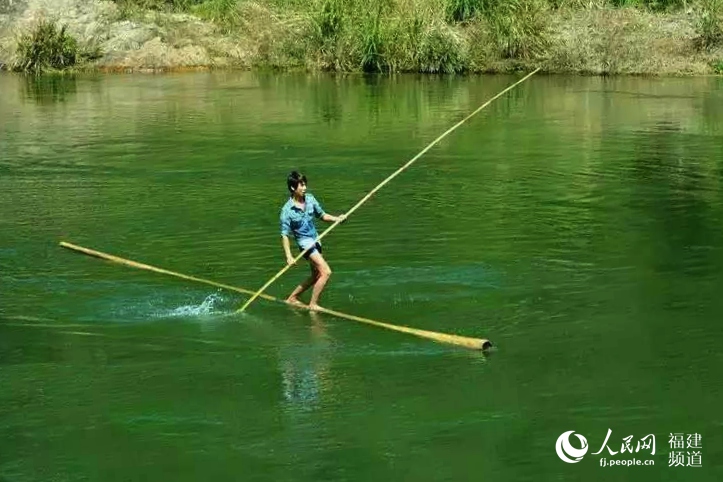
(430, 36)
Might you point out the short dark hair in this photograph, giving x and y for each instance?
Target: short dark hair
(294, 179)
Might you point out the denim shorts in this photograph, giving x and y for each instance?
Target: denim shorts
(316, 247)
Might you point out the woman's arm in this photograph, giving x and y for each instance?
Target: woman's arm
(332, 219)
(287, 249)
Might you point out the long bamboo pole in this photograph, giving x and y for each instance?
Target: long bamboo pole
(463, 341)
(382, 184)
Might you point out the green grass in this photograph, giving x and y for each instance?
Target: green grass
(162, 5)
(223, 12)
(519, 28)
(652, 5)
(46, 47)
(383, 36)
(329, 19)
(372, 42)
(710, 24)
(443, 36)
(441, 52)
(463, 10)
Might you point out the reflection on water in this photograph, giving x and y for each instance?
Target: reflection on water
(305, 368)
(49, 89)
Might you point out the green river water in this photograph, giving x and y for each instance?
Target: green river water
(577, 223)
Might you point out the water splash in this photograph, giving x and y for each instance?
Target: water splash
(209, 306)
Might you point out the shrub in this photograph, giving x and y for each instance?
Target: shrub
(157, 4)
(654, 5)
(224, 12)
(372, 43)
(710, 23)
(519, 28)
(46, 48)
(441, 52)
(463, 10)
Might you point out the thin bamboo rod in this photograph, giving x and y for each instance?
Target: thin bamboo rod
(463, 341)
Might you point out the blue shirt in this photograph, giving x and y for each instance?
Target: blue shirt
(300, 222)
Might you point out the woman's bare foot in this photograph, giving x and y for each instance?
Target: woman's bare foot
(315, 307)
(294, 301)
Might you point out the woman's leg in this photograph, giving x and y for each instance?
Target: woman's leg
(305, 285)
(324, 273)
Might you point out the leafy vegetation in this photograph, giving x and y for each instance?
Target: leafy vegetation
(710, 23)
(46, 47)
(430, 36)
